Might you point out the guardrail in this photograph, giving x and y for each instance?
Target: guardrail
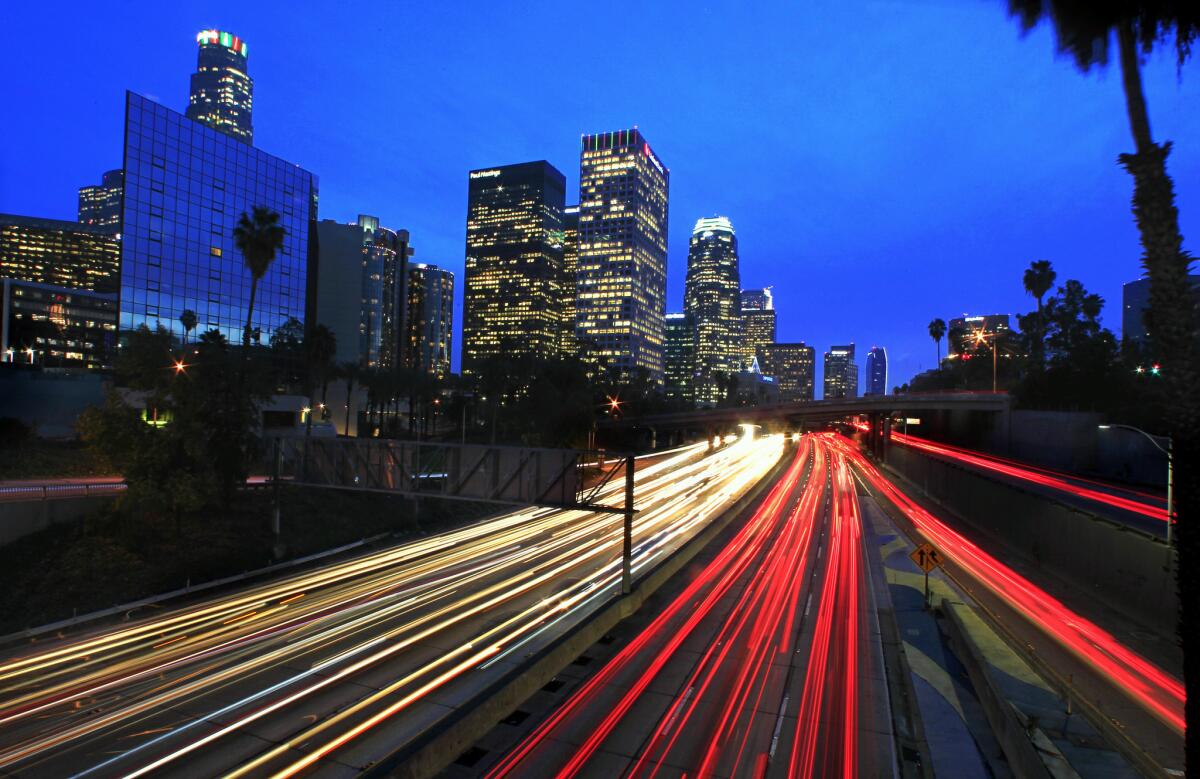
(13, 493)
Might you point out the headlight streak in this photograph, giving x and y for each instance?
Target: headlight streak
(693, 605)
(362, 593)
(1149, 686)
(1040, 476)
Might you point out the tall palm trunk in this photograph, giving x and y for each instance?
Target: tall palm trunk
(1172, 326)
(349, 400)
(250, 313)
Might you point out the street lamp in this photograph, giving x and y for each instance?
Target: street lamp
(1170, 471)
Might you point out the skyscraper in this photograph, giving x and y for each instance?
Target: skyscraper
(186, 186)
(101, 206)
(57, 327)
(353, 261)
(792, 365)
(876, 371)
(1135, 299)
(66, 254)
(758, 323)
(621, 284)
(222, 94)
(430, 319)
(513, 298)
(680, 363)
(841, 373)
(570, 266)
(712, 296)
(970, 334)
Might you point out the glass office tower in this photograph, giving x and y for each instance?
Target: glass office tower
(570, 266)
(52, 251)
(841, 373)
(101, 206)
(758, 323)
(876, 371)
(792, 365)
(430, 319)
(621, 284)
(680, 362)
(186, 185)
(712, 295)
(512, 301)
(222, 94)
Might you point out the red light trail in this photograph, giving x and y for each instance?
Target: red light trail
(724, 714)
(1041, 476)
(1148, 685)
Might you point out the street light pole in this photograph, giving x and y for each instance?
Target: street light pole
(1170, 472)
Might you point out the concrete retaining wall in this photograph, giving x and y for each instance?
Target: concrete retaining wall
(20, 518)
(1124, 568)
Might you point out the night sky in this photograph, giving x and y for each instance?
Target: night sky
(883, 163)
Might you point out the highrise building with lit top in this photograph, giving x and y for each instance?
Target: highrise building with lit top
(758, 323)
(222, 94)
(621, 282)
(513, 296)
(712, 295)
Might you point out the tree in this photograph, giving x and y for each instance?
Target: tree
(191, 442)
(188, 319)
(350, 371)
(320, 348)
(258, 237)
(1039, 278)
(1085, 31)
(937, 329)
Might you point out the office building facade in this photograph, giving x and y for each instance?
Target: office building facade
(621, 283)
(222, 92)
(430, 319)
(568, 346)
(758, 323)
(513, 296)
(793, 365)
(680, 360)
(1135, 299)
(54, 327)
(712, 295)
(841, 373)
(877, 375)
(186, 186)
(60, 253)
(100, 206)
(971, 334)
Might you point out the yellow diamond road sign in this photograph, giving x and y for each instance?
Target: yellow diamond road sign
(926, 557)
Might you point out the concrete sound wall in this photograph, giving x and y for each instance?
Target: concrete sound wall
(1124, 568)
(20, 518)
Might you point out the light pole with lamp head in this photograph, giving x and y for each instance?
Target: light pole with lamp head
(1170, 472)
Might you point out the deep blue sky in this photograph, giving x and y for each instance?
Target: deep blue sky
(883, 163)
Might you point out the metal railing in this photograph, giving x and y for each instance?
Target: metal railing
(15, 493)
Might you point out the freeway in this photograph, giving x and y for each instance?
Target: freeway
(1144, 701)
(763, 664)
(1138, 508)
(330, 670)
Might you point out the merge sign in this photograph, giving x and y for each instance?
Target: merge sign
(926, 557)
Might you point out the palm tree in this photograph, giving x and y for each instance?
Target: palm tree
(1039, 278)
(937, 329)
(258, 237)
(1085, 31)
(188, 319)
(350, 371)
(320, 348)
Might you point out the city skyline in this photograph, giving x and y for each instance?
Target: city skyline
(1081, 190)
